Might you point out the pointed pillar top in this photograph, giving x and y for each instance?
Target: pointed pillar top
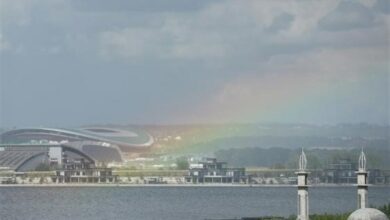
(362, 161)
(302, 161)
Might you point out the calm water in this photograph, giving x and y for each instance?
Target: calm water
(172, 203)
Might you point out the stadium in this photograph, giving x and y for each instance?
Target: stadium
(23, 149)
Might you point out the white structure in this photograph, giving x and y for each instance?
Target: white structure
(367, 214)
(362, 181)
(55, 154)
(303, 194)
(363, 213)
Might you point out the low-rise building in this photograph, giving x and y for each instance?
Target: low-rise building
(81, 171)
(343, 172)
(212, 171)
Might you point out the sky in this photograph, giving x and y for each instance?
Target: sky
(71, 62)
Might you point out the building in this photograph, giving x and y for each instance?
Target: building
(28, 157)
(340, 172)
(101, 143)
(212, 171)
(377, 176)
(343, 172)
(71, 165)
(81, 171)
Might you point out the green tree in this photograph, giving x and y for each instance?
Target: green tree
(385, 209)
(182, 163)
(43, 167)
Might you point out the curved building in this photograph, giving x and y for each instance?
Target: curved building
(26, 157)
(101, 143)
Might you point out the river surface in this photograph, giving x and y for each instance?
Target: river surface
(172, 203)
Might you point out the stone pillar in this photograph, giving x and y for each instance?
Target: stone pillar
(303, 193)
(362, 184)
(362, 196)
(303, 196)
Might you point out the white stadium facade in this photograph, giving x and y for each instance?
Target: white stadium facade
(22, 149)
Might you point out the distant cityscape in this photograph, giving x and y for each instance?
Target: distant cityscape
(160, 155)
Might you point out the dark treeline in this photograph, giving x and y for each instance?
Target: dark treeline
(288, 142)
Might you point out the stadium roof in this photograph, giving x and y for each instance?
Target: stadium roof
(122, 137)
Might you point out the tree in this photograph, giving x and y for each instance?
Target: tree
(182, 163)
(43, 167)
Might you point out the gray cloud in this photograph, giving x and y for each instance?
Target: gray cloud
(140, 5)
(348, 15)
(76, 62)
(281, 22)
(382, 6)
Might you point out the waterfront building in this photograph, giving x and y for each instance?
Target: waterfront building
(81, 171)
(378, 176)
(212, 171)
(29, 157)
(343, 172)
(303, 193)
(340, 172)
(7, 179)
(70, 164)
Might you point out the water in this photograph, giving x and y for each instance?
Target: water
(172, 203)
